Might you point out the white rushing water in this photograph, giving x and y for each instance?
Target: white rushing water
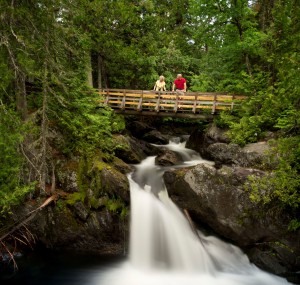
(164, 250)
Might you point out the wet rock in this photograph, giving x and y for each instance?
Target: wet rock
(115, 183)
(102, 232)
(168, 158)
(138, 128)
(125, 151)
(81, 211)
(200, 139)
(156, 137)
(267, 261)
(132, 150)
(121, 166)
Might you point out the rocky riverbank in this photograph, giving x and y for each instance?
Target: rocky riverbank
(92, 212)
(217, 197)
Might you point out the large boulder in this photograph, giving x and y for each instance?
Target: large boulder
(67, 174)
(131, 150)
(252, 155)
(91, 213)
(168, 158)
(138, 128)
(78, 228)
(156, 137)
(216, 197)
(200, 139)
(214, 144)
(115, 183)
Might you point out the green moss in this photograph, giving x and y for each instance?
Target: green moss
(60, 205)
(82, 174)
(75, 197)
(100, 165)
(280, 244)
(95, 203)
(180, 173)
(121, 143)
(117, 206)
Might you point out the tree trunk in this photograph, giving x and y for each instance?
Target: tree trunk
(89, 71)
(100, 68)
(21, 95)
(248, 65)
(44, 133)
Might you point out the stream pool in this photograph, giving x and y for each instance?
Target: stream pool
(49, 268)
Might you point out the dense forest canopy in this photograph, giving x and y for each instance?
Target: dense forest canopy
(54, 52)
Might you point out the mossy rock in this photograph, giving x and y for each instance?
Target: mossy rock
(123, 150)
(115, 183)
(75, 197)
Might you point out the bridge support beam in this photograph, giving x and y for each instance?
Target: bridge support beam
(166, 114)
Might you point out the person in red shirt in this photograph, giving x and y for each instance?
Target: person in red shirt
(180, 84)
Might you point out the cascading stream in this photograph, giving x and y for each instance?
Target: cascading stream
(163, 247)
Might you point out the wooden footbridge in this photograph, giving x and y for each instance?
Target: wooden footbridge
(169, 104)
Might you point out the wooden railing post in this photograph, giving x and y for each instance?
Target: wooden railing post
(195, 104)
(214, 104)
(232, 103)
(158, 102)
(106, 97)
(123, 104)
(176, 104)
(139, 107)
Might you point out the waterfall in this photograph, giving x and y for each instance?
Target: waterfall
(163, 247)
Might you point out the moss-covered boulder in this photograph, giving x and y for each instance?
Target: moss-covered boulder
(132, 150)
(60, 227)
(67, 174)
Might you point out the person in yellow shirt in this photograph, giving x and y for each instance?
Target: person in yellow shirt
(160, 84)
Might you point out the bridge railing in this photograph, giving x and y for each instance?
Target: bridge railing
(190, 102)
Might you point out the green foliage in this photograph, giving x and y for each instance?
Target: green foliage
(12, 187)
(202, 83)
(281, 187)
(89, 127)
(224, 120)
(289, 120)
(247, 130)
(117, 124)
(294, 225)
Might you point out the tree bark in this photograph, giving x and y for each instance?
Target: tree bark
(21, 100)
(89, 71)
(44, 133)
(100, 68)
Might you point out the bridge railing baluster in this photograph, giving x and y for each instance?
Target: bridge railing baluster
(176, 104)
(195, 104)
(214, 104)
